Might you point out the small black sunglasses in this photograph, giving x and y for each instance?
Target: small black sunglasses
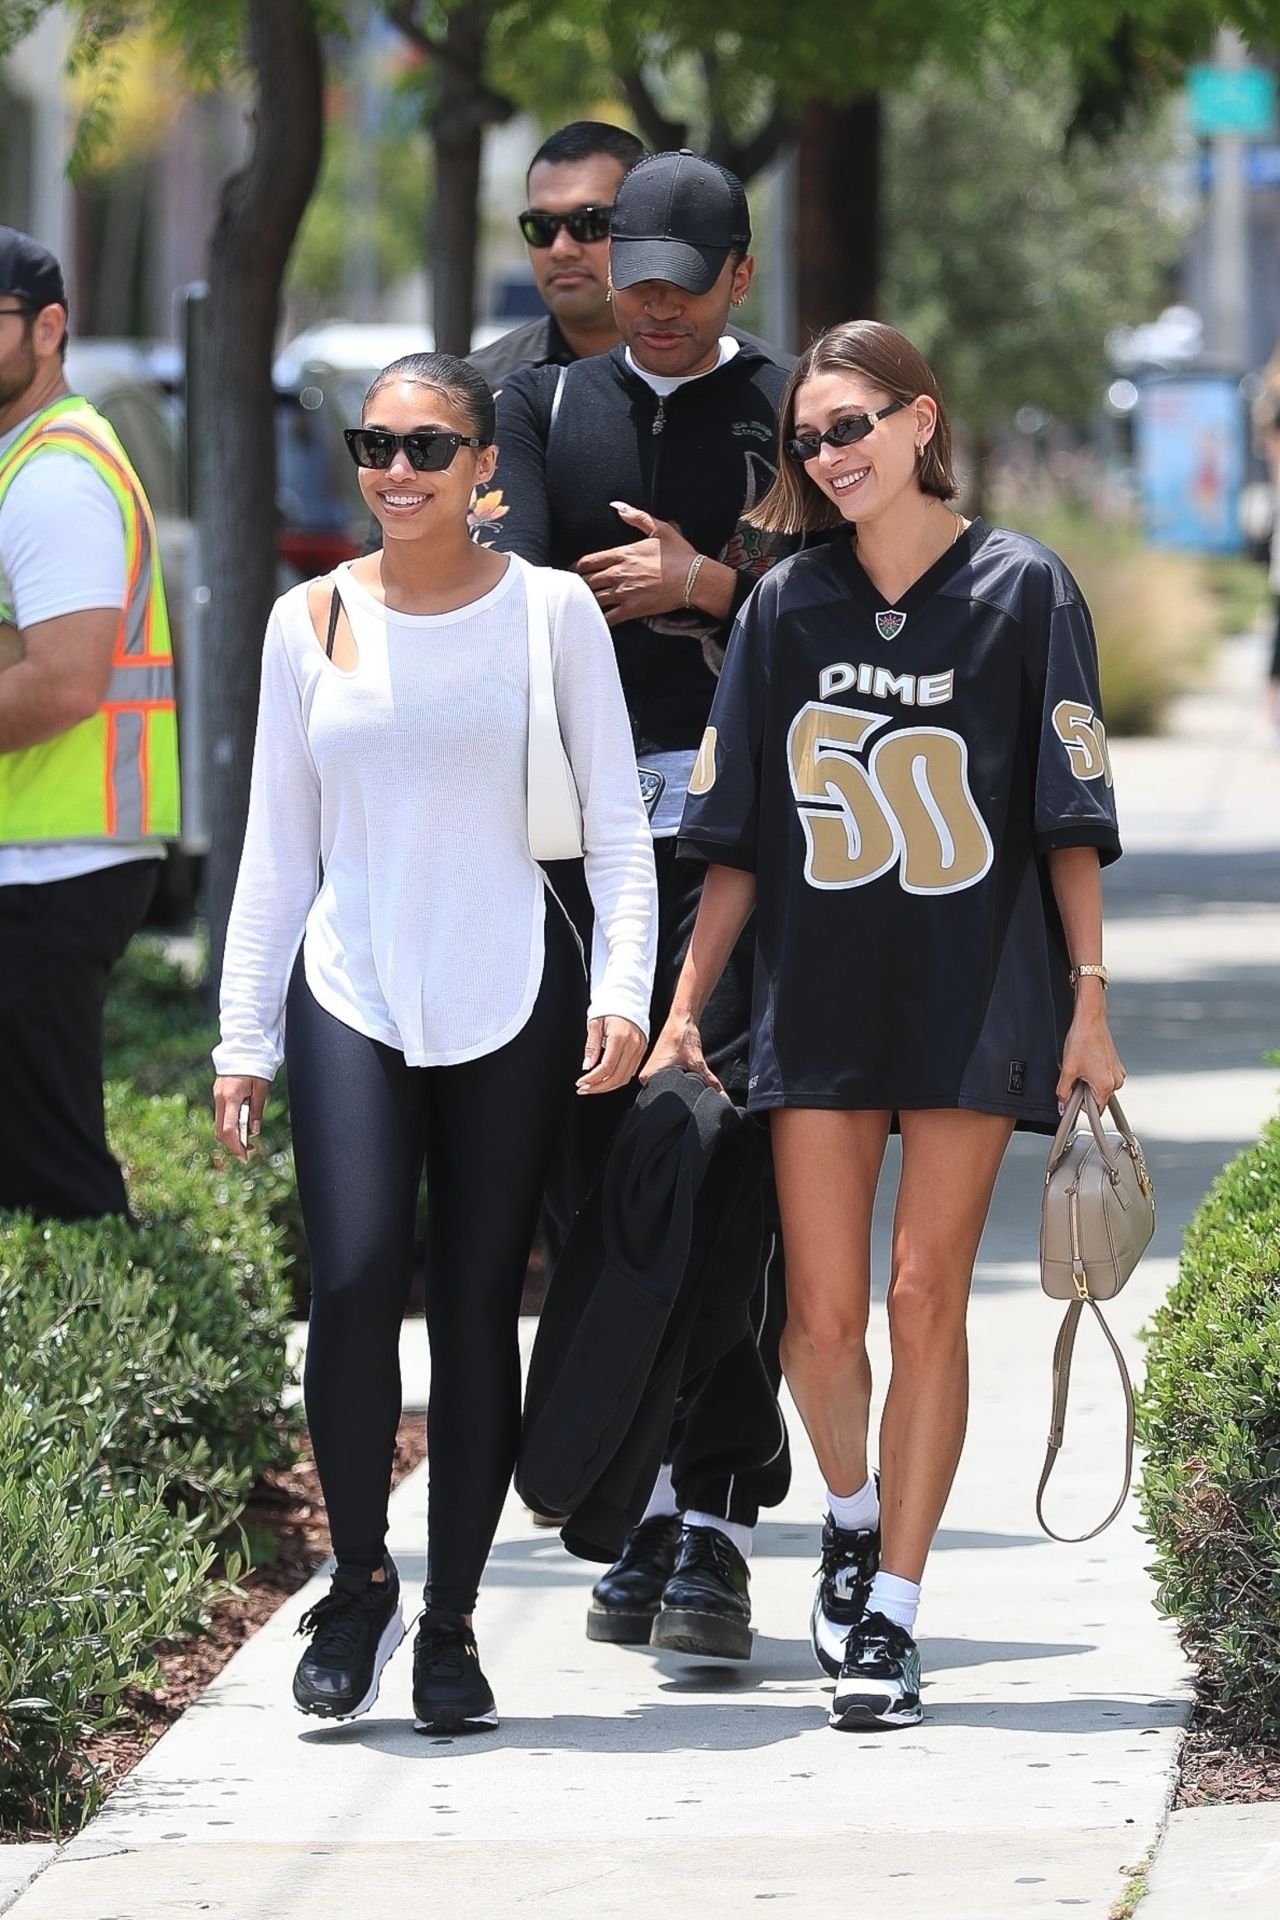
(584, 224)
(428, 452)
(854, 426)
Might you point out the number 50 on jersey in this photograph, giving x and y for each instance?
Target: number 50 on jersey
(868, 806)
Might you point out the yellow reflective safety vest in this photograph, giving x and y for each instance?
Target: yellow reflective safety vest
(114, 776)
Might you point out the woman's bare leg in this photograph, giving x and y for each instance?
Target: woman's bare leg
(950, 1160)
(826, 1164)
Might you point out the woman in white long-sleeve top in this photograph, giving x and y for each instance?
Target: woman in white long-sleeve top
(437, 998)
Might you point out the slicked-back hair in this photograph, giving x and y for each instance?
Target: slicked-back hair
(882, 355)
(583, 140)
(456, 379)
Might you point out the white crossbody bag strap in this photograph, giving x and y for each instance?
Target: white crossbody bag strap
(554, 809)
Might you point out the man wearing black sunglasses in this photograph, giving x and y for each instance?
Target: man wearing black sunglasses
(572, 182)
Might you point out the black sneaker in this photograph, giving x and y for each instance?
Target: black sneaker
(706, 1604)
(354, 1631)
(879, 1681)
(450, 1693)
(625, 1599)
(850, 1560)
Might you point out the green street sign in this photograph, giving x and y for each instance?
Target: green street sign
(1232, 101)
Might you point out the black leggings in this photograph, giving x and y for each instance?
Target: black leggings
(364, 1122)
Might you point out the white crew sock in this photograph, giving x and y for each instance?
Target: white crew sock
(898, 1600)
(663, 1498)
(855, 1512)
(731, 1529)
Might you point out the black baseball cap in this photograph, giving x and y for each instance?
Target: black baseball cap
(677, 217)
(29, 271)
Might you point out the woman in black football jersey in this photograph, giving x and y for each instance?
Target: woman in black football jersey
(906, 776)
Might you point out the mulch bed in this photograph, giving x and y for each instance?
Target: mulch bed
(1218, 1764)
(288, 1509)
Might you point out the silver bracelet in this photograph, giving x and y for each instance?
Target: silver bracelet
(690, 577)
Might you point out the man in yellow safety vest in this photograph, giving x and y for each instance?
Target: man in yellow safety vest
(88, 747)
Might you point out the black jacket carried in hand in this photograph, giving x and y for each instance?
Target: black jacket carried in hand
(653, 1286)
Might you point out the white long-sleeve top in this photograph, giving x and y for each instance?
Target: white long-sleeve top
(388, 833)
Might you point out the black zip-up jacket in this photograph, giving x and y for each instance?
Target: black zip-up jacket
(699, 458)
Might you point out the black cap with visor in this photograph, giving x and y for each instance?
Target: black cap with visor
(29, 272)
(677, 217)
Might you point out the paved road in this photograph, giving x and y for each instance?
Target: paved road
(622, 1782)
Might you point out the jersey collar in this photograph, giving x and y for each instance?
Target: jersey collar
(921, 589)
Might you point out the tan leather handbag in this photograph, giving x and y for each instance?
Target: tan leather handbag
(1098, 1216)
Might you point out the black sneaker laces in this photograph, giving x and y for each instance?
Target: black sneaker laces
(442, 1649)
(338, 1620)
(882, 1638)
(846, 1551)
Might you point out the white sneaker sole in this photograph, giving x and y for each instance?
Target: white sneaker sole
(869, 1709)
(392, 1635)
(447, 1723)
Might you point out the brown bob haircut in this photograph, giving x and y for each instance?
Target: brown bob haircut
(888, 360)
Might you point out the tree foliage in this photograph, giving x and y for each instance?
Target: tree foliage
(398, 172)
(1011, 255)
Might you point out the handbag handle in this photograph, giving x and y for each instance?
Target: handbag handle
(1058, 1419)
(1082, 1099)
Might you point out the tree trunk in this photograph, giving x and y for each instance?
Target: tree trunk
(837, 214)
(258, 217)
(462, 109)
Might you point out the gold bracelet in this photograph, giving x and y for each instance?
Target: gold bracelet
(690, 577)
(1091, 972)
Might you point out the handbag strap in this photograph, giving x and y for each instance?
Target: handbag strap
(542, 687)
(1062, 1353)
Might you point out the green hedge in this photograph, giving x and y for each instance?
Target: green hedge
(141, 1398)
(1210, 1421)
(158, 1040)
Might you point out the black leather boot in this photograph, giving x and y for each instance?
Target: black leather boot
(706, 1604)
(625, 1599)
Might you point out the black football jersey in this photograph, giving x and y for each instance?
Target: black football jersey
(895, 777)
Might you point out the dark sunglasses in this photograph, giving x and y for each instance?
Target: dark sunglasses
(428, 452)
(584, 224)
(854, 426)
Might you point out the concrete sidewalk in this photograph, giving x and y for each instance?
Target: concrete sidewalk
(624, 1783)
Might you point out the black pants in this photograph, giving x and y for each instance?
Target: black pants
(58, 943)
(364, 1123)
(728, 1450)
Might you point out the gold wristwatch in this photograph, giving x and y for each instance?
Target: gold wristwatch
(1094, 972)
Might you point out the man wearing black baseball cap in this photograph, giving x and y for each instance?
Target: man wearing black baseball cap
(634, 467)
(88, 746)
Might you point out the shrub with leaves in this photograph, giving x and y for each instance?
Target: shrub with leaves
(158, 1040)
(1210, 1422)
(140, 1400)
(93, 1572)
